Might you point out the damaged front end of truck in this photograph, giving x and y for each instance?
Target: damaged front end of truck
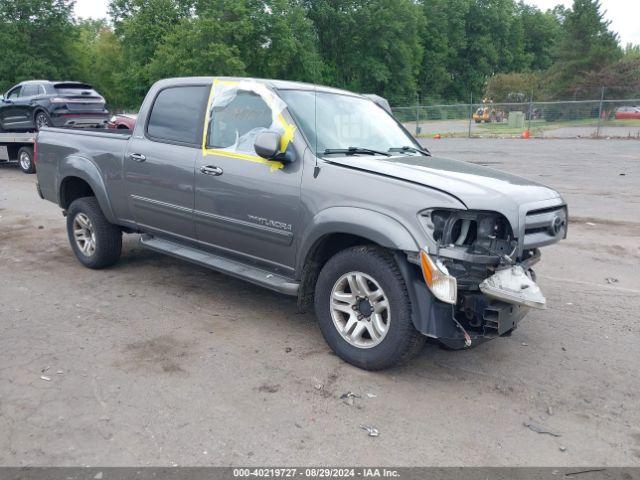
(478, 274)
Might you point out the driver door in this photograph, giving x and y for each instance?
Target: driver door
(15, 111)
(245, 205)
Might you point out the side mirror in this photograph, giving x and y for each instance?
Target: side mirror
(267, 145)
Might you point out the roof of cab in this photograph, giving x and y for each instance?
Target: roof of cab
(57, 82)
(276, 84)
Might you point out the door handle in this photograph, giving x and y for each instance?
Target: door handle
(138, 157)
(212, 170)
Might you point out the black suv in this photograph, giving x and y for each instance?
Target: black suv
(40, 103)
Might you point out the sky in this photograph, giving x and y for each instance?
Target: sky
(624, 14)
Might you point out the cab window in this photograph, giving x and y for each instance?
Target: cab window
(177, 115)
(237, 121)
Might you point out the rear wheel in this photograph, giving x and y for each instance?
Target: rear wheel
(25, 160)
(96, 242)
(42, 120)
(364, 311)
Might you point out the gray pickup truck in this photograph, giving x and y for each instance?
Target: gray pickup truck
(316, 193)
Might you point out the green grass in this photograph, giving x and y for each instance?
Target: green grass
(536, 127)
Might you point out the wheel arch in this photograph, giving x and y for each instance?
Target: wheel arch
(373, 226)
(339, 228)
(80, 178)
(38, 109)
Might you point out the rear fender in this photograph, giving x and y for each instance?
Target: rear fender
(85, 169)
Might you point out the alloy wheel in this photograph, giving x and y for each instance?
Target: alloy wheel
(84, 234)
(360, 310)
(25, 161)
(41, 120)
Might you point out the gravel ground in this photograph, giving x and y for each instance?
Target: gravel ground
(158, 362)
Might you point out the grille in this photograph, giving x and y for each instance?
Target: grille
(546, 226)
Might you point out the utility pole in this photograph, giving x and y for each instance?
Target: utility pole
(600, 113)
(418, 129)
(470, 114)
(530, 112)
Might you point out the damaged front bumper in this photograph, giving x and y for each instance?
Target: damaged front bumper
(481, 310)
(514, 285)
(474, 281)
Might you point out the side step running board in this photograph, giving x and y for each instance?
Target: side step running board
(236, 269)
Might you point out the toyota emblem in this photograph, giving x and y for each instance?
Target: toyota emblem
(557, 225)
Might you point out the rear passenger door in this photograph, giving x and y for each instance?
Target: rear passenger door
(159, 165)
(31, 92)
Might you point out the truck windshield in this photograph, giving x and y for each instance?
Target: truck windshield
(343, 124)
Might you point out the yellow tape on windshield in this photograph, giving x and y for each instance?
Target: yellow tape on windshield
(286, 138)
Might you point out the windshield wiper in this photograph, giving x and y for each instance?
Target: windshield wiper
(423, 151)
(355, 151)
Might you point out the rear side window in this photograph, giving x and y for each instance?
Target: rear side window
(178, 115)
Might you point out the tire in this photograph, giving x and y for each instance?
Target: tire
(99, 242)
(41, 119)
(25, 160)
(400, 341)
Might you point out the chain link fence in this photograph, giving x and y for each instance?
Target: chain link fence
(570, 119)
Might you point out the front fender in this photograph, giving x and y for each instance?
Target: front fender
(374, 226)
(85, 169)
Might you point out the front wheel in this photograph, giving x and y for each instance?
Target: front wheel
(364, 311)
(95, 242)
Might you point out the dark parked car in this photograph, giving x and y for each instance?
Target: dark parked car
(39, 103)
(123, 121)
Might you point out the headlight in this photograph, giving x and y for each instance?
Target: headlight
(480, 231)
(113, 119)
(443, 286)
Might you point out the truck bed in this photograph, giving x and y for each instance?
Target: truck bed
(95, 154)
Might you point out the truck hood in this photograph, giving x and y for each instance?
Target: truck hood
(477, 187)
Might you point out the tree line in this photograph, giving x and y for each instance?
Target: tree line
(434, 50)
